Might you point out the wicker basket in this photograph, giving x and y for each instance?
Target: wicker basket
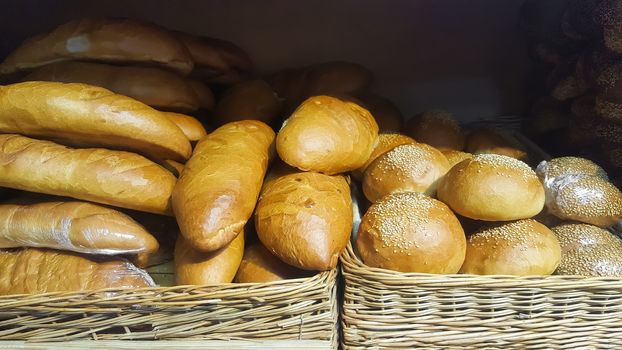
(387, 309)
(285, 310)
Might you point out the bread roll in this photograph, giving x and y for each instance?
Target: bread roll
(492, 187)
(190, 126)
(489, 141)
(104, 40)
(204, 95)
(608, 15)
(387, 115)
(75, 226)
(436, 128)
(196, 267)
(454, 157)
(520, 248)
(327, 135)
(386, 142)
(218, 189)
(154, 87)
(32, 270)
(412, 167)
(217, 61)
(588, 199)
(588, 251)
(252, 99)
(86, 115)
(305, 219)
(411, 232)
(116, 178)
(564, 166)
(259, 266)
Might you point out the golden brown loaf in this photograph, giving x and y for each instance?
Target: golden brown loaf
(154, 87)
(327, 135)
(196, 267)
(32, 270)
(411, 167)
(305, 219)
(259, 266)
(204, 95)
(253, 99)
(387, 115)
(218, 189)
(105, 40)
(190, 126)
(436, 128)
(386, 142)
(85, 115)
(174, 167)
(492, 187)
(588, 251)
(454, 157)
(564, 166)
(164, 229)
(484, 141)
(116, 178)
(75, 226)
(520, 248)
(411, 232)
(217, 61)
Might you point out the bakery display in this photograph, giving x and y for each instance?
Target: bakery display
(253, 99)
(259, 265)
(520, 248)
(436, 128)
(386, 142)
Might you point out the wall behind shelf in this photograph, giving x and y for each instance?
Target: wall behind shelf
(466, 56)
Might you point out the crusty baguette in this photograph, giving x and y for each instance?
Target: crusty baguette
(84, 115)
(106, 40)
(155, 87)
(75, 226)
(33, 270)
(190, 126)
(116, 178)
(218, 188)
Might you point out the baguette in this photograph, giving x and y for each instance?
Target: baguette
(154, 87)
(190, 126)
(85, 115)
(32, 270)
(218, 188)
(105, 40)
(116, 178)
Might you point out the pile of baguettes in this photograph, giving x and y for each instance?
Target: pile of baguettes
(243, 213)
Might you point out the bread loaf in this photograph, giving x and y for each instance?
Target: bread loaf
(305, 219)
(490, 141)
(154, 87)
(105, 40)
(116, 178)
(327, 135)
(204, 95)
(32, 270)
(190, 126)
(174, 167)
(436, 128)
(196, 267)
(253, 99)
(259, 266)
(75, 226)
(85, 115)
(386, 142)
(218, 188)
(164, 229)
(387, 115)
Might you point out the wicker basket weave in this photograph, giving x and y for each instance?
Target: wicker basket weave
(284, 310)
(387, 309)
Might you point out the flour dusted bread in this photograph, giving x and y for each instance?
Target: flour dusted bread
(327, 135)
(190, 126)
(105, 40)
(259, 265)
(196, 267)
(85, 115)
(75, 226)
(115, 178)
(218, 188)
(33, 270)
(386, 142)
(154, 87)
(253, 99)
(305, 219)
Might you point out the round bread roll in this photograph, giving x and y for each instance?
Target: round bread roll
(588, 199)
(454, 157)
(252, 99)
(563, 166)
(386, 142)
(520, 248)
(305, 219)
(387, 115)
(437, 128)
(484, 141)
(259, 266)
(411, 167)
(411, 232)
(327, 135)
(492, 187)
(588, 251)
